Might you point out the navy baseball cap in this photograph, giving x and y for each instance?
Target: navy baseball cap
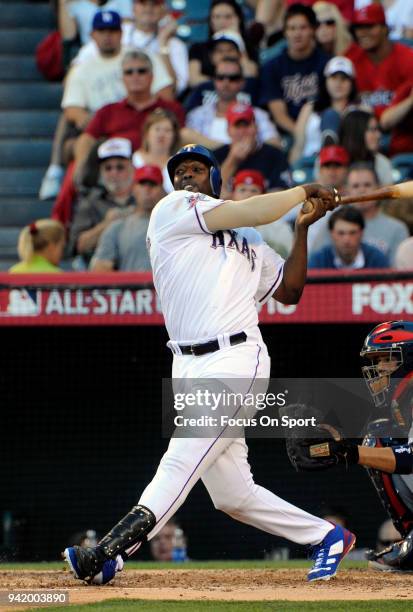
(106, 20)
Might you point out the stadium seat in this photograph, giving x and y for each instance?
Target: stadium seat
(192, 32)
(5, 264)
(402, 167)
(22, 65)
(40, 123)
(31, 96)
(8, 241)
(303, 170)
(24, 153)
(405, 41)
(268, 54)
(195, 10)
(25, 15)
(21, 211)
(20, 181)
(29, 110)
(21, 40)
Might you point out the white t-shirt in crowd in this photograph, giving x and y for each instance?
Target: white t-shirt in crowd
(93, 78)
(83, 12)
(94, 83)
(208, 283)
(178, 52)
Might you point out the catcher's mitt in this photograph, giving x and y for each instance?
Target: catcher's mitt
(315, 448)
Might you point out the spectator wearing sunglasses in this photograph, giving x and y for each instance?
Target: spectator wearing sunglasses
(224, 45)
(126, 118)
(332, 34)
(207, 124)
(111, 199)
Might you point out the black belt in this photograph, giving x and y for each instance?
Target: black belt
(211, 346)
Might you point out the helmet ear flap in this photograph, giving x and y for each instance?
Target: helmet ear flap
(215, 180)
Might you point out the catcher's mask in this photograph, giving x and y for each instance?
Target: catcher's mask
(387, 360)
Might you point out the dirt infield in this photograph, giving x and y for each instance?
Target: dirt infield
(227, 584)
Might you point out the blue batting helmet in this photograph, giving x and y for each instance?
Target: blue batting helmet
(205, 156)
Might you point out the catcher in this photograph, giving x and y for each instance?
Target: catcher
(387, 449)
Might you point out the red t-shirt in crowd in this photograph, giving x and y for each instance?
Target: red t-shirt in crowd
(377, 83)
(402, 134)
(121, 119)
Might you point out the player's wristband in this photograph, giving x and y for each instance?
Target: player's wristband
(404, 459)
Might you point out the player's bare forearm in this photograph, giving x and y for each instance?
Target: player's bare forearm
(295, 270)
(269, 207)
(382, 459)
(258, 210)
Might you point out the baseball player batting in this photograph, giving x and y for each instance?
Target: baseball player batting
(211, 269)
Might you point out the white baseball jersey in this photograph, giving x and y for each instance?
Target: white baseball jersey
(208, 283)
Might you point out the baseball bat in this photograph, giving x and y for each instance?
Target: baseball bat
(390, 192)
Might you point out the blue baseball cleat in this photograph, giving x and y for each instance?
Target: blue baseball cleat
(84, 564)
(329, 553)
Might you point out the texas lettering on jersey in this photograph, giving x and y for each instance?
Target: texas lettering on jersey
(229, 239)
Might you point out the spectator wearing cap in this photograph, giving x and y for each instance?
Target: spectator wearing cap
(226, 45)
(207, 124)
(399, 17)
(122, 245)
(381, 65)
(331, 170)
(153, 31)
(278, 235)
(380, 230)
(76, 16)
(111, 200)
(126, 118)
(245, 151)
(162, 83)
(87, 88)
(347, 250)
(319, 121)
(224, 16)
(334, 162)
(294, 77)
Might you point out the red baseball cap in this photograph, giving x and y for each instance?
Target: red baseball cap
(372, 14)
(238, 111)
(249, 177)
(149, 173)
(334, 154)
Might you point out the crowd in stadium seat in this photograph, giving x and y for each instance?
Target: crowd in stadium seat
(283, 92)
